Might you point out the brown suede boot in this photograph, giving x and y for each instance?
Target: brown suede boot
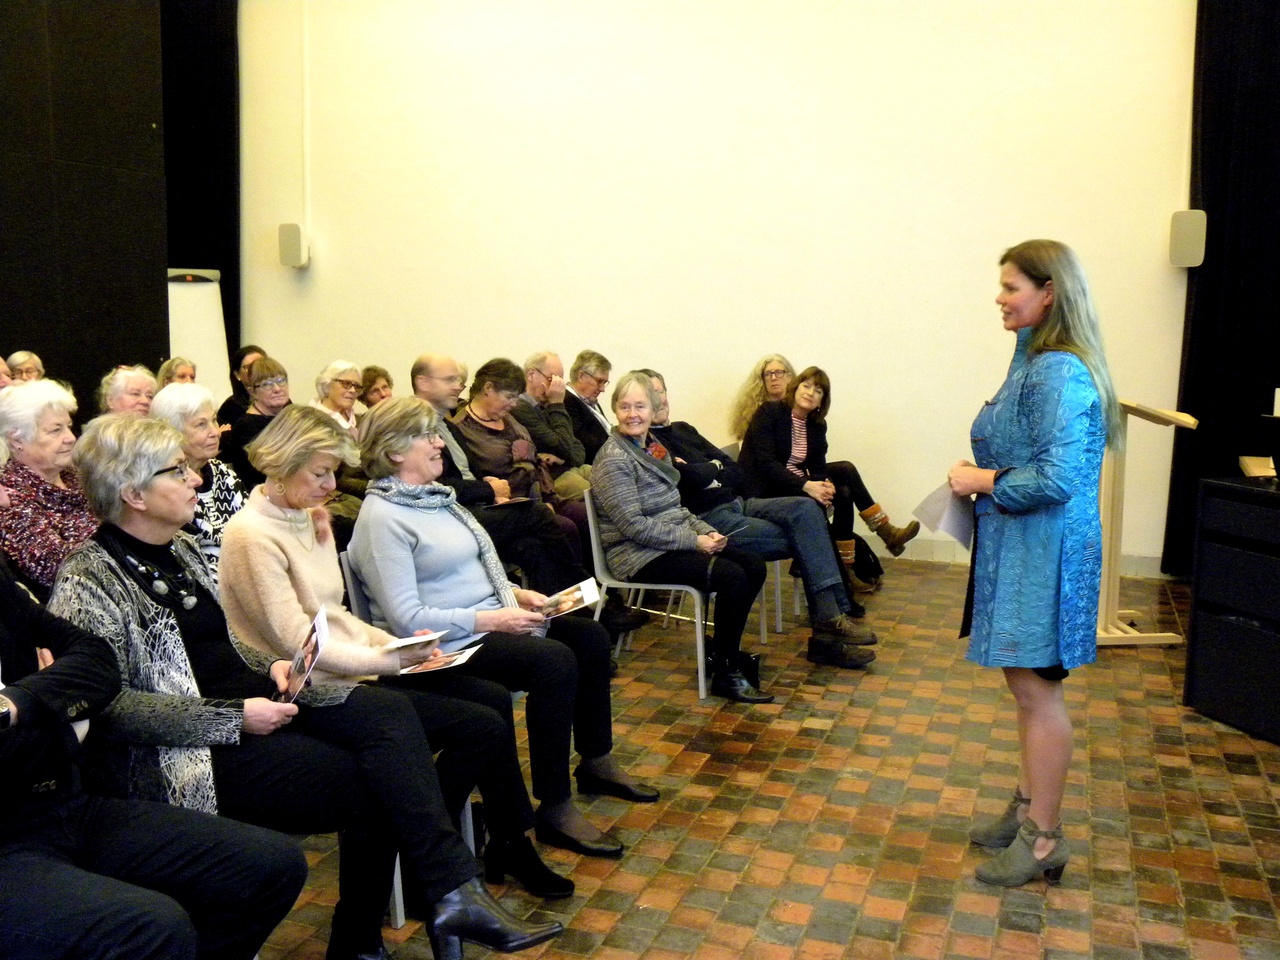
(895, 538)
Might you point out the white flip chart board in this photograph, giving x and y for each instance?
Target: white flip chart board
(196, 327)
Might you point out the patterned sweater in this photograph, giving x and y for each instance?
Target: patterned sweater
(219, 498)
(43, 523)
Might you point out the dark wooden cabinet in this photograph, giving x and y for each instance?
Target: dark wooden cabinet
(1233, 650)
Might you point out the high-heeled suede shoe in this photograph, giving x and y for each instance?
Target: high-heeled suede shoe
(593, 783)
(519, 859)
(1001, 831)
(469, 912)
(1018, 864)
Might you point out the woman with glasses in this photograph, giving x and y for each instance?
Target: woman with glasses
(768, 380)
(188, 408)
(497, 444)
(426, 564)
(200, 725)
(337, 389)
(267, 385)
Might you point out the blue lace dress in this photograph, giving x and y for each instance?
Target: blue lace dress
(1038, 560)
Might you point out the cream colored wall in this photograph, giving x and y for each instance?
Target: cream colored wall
(688, 184)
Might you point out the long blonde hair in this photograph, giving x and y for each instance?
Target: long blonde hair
(1071, 325)
(752, 393)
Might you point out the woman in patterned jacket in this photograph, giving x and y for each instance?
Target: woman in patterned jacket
(199, 725)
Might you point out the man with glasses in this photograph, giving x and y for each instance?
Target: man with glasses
(588, 376)
(541, 410)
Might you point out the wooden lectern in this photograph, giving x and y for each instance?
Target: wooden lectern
(1113, 628)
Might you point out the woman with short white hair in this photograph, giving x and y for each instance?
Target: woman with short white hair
(25, 365)
(127, 390)
(47, 514)
(337, 388)
(188, 407)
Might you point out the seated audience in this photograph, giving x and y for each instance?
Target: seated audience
(427, 565)
(47, 514)
(541, 411)
(188, 408)
(198, 726)
(375, 385)
(649, 537)
(784, 454)
(774, 528)
(25, 365)
(93, 877)
(588, 376)
(337, 387)
(127, 390)
(175, 370)
(236, 404)
(528, 534)
(280, 566)
(768, 380)
(267, 384)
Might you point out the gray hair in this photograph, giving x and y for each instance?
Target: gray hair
(538, 360)
(179, 401)
(294, 436)
(19, 357)
(635, 378)
(117, 380)
(118, 451)
(591, 363)
(22, 404)
(390, 428)
(324, 380)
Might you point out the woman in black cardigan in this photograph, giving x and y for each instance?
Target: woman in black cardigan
(784, 454)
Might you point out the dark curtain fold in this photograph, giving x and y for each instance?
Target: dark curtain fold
(1230, 366)
(202, 142)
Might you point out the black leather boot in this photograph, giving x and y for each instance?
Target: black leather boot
(470, 913)
(728, 682)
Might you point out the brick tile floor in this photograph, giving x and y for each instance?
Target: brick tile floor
(832, 823)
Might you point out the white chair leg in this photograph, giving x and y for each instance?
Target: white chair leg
(397, 898)
(777, 596)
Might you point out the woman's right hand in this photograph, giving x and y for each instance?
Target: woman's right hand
(711, 542)
(263, 716)
(412, 656)
(508, 620)
(821, 490)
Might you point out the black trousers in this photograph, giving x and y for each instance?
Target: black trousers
(851, 495)
(566, 676)
(364, 768)
(734, 576)
(456, 726)
(532, 537)
(105, 879)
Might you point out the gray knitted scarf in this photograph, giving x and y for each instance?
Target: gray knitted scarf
(436, 496)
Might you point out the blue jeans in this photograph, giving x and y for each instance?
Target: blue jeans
(779, 527)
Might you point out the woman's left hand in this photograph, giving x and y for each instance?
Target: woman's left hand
(530, 599)
(966, 478)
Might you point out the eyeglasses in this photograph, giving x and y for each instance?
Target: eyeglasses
(348, 384)
(454, 379)
(774, 374)
(600, 382)
(272, 383)
(179, 470)
(431, 436)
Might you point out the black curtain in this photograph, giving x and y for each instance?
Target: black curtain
(202, 142)
(1230, 363)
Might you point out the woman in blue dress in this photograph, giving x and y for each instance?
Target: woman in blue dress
(1037, 561)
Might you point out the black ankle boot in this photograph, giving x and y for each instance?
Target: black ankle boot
(519, 859)
(469, 912)
(728, 682)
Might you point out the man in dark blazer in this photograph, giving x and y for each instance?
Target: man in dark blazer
(588, 376)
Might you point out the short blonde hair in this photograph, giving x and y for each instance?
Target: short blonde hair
(117, 451)
(293, 437)
(169, 369)
(390, 428)
(23, 403)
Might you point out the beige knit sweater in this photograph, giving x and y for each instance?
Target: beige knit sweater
(278, 566)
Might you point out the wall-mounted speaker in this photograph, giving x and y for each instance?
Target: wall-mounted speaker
(294, 250)
(1186, 238)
